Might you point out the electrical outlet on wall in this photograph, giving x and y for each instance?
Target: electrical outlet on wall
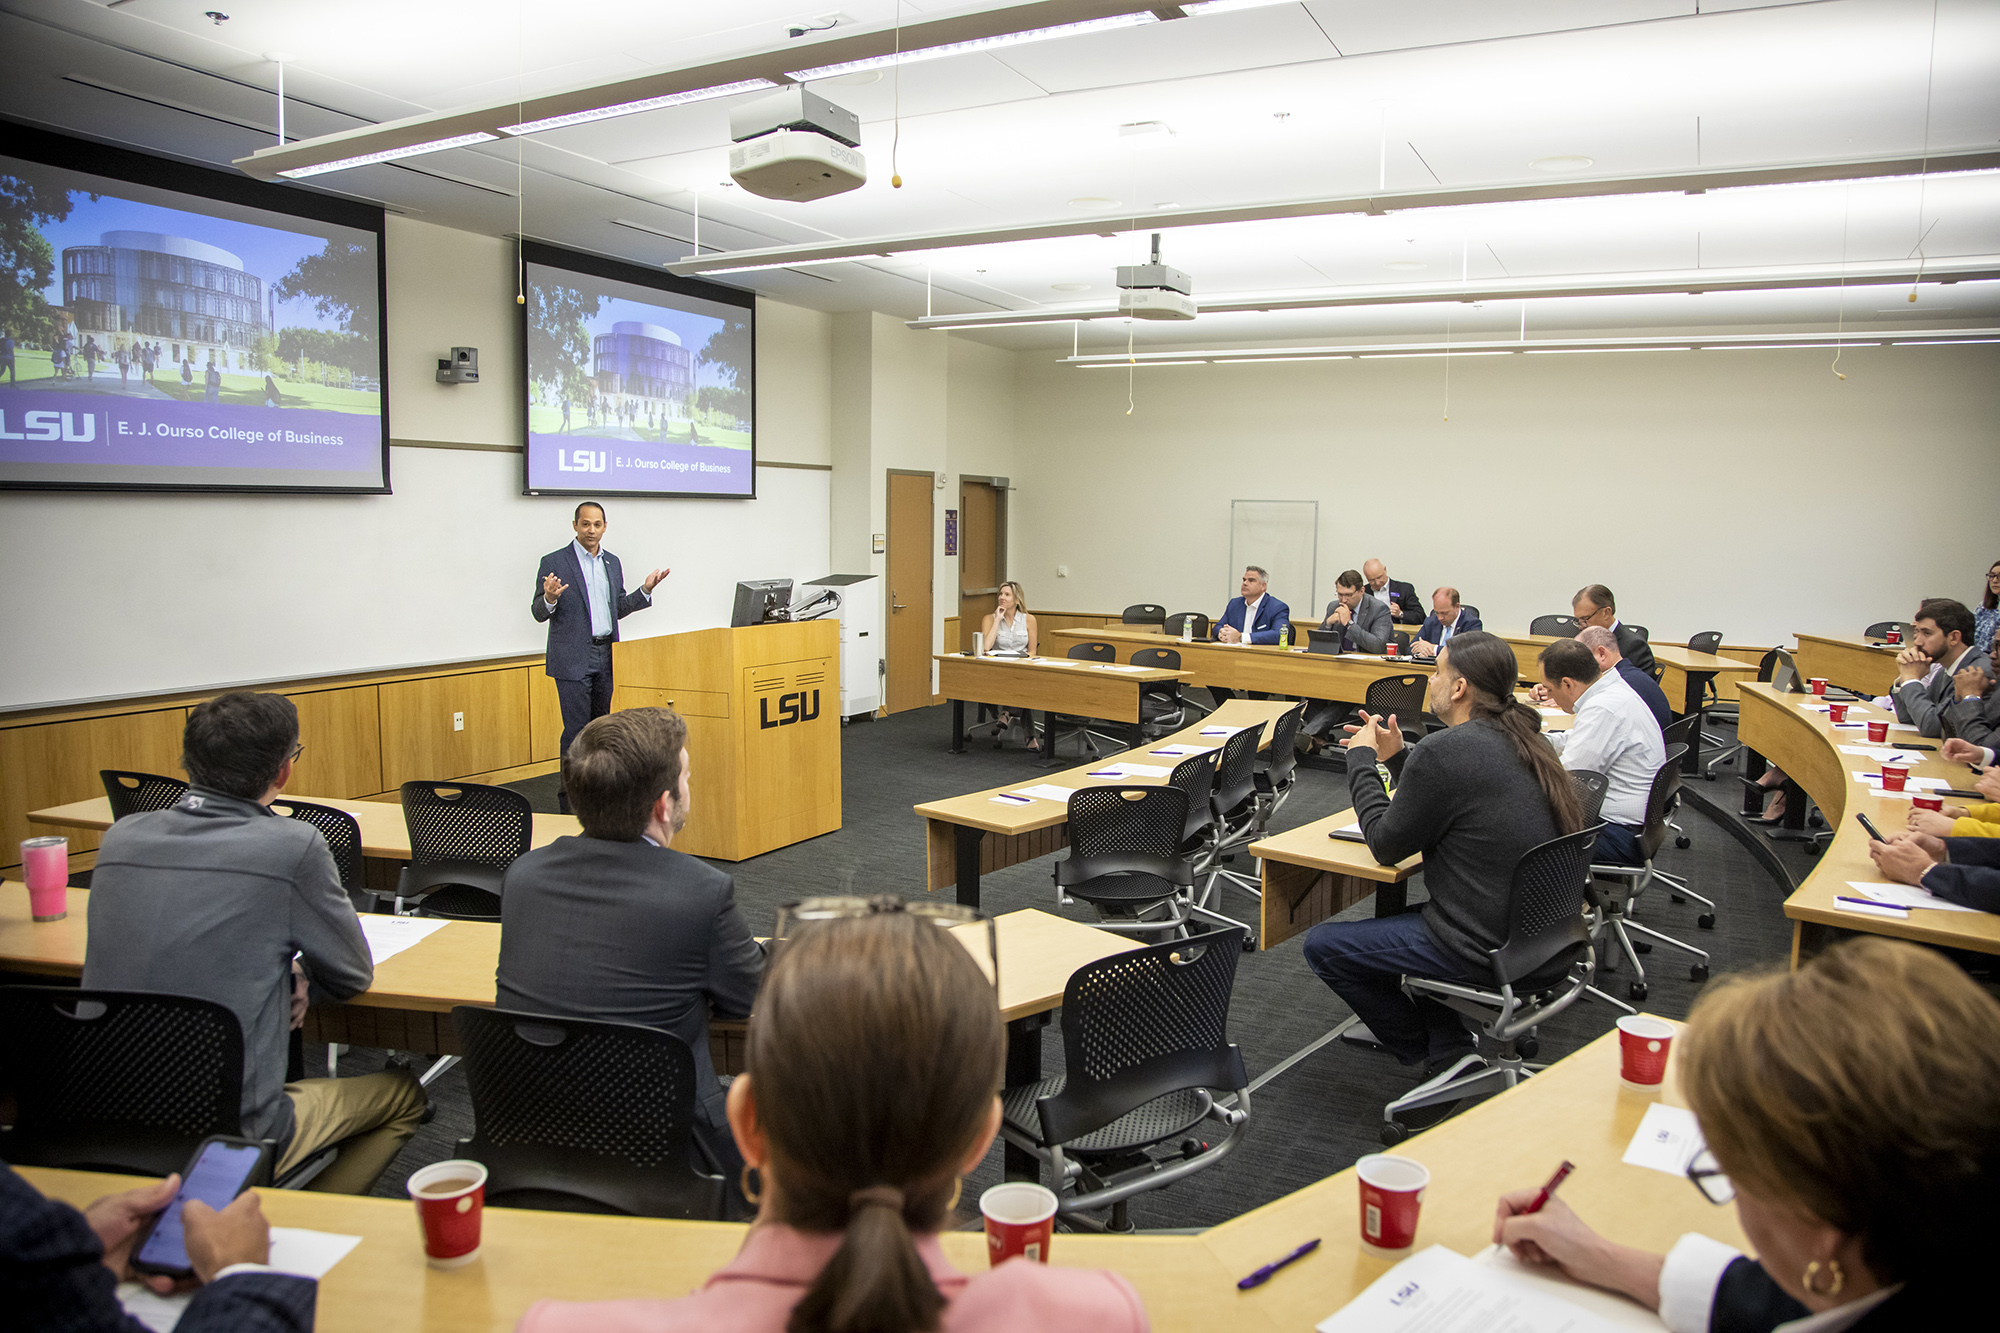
(458, 722)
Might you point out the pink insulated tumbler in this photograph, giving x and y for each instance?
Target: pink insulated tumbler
(45, 865)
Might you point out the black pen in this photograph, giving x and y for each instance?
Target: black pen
(1263, 1275)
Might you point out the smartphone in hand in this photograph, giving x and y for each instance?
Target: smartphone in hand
(1869, 824)
(221, 1169)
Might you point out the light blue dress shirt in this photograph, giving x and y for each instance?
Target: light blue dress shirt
(596, 590)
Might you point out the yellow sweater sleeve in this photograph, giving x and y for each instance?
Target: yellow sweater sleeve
(1981, 821)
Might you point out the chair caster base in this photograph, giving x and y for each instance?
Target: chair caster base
(1528, 1047)
(1393, 1134)
(1676, 897)
(1636, 991)
(1699, 972)
(1249, 944)
(1706, 921)
(1683, 842)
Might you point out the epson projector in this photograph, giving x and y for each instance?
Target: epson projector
(795, 145)
(1154, 291)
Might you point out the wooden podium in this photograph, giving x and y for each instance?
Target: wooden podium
(762, 705)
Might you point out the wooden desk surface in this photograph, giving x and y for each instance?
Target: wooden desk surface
(1265, 666)
(1574, 1110)
(1308, 845)
(456, 963)
(383, 832)
(979, 809)
(1782, 728)
(1066, 665)
(1049, 684)
(1676, 655)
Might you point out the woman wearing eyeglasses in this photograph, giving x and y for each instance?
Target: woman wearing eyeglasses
(1986, 614)
(1852, 1112)
(874, 1064)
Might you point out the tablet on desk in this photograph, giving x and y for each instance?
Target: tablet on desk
(1350, 833)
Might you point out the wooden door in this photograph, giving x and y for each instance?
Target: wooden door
(982, 561)
(911, 515)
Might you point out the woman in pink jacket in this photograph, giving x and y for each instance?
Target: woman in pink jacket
(874, 1069)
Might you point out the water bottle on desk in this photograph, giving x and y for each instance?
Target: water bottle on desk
(1187, 629)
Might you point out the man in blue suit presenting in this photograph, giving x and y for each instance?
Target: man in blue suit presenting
(580, 592)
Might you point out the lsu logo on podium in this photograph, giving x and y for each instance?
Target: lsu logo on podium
(791, 708)
(582, 460)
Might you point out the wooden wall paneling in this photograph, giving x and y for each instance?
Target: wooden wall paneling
(417, 736)
(544, 717)
(59, 763)
(955, 640)
(342, 733)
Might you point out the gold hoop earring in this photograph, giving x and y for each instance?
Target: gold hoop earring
(1836, 1279)
(743, 1179)
(957, 1188)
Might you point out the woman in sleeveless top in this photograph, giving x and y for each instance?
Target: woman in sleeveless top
(1009, 628)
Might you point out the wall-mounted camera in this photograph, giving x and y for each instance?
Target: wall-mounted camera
(461, 367)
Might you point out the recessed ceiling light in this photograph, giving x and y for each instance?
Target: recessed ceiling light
(1091, 202)
(1069, 287)
(1406, 266)
(1560, 165)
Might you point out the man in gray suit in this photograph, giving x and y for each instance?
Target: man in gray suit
(616, 925)
(214, 898)
(1940, 648)
(1366, 622)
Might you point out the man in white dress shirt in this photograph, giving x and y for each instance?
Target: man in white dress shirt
(1615, 734)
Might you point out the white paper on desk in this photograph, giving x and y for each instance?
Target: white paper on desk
(1113, 666)
(1178, 751)
(1552, 712)
(1904, 726)
(1046, 791)
(1130, 771)
(1667, 1140)
(390, 935)
(1883, 756)
(1917, 783)
(1016, 801)
(1441, 1291)
(1870, 909)
(293, 1250)
(1905, 895)
(1220, 731)
(1608, 1306)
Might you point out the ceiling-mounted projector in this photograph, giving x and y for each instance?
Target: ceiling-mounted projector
(795, 145)
(1154, 291)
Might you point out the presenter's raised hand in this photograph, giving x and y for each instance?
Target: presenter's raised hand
(653, 579)
(553, 587)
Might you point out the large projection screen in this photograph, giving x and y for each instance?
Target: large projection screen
(167, 327)
(638, 383)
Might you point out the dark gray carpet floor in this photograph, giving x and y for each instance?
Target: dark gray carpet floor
(1314, 1119)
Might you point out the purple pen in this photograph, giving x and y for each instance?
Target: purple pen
(1263, 1275)
(1870, 902)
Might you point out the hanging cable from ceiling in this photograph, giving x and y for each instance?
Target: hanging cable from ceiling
(896, 104)
(1923, 171)
(520, 175)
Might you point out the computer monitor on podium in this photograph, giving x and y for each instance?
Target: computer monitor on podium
(760, 600)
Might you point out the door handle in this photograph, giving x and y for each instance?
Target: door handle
(895, 605)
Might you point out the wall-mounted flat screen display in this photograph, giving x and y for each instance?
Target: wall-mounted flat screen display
(637, 383)
(180, 337)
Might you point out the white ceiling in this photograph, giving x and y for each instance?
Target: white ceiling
(1296, 100)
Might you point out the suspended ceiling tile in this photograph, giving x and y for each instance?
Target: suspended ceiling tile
(1179, 49)
(1361, 26)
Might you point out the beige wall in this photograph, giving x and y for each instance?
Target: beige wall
(1750, 492)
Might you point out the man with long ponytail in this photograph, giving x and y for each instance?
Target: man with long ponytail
(1472, 799)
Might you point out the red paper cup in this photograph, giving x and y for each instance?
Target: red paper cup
(1878, 732)
(1818, 684)
(1020, 1218)
(451, 1198)
(1893, 636)
(1392, 1194)
(1642, 1051)
(1389, 649)
(1894, 776)
(45, 865)
(1928, 802)
(1838, 712)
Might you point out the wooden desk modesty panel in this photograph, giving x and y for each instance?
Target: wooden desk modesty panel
(1576, 1110)
(1804, 744)
(1853, 664)
(1264, 667)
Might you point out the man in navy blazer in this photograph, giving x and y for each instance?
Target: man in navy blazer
(580, 593)
(1254, 616)
(1447, 617)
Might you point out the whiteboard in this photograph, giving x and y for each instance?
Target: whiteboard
(1281, 536)
(109, 595)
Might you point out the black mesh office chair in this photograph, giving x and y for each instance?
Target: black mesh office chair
(463, 836)
(1126, 861)
(1195, 775)
(122, 1081)
(1616, 889)
(1590, 789)
(1880, 629)
(1279, 775)
(136, 793)
(1545, 964)
(576, 1115)
(1161, 706)
(1234, 801)
(1065, 726)
(1645, 635)
(1177, 624)
(1145, 1051)
(1144, 613)
(343, 839)
(1467, 608)
(1564, 627)
(1403, 698)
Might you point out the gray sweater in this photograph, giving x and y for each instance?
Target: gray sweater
(212, 898)
(1471, 806)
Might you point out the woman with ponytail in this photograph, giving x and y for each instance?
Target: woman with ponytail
(874, 1067)
(1472, 799)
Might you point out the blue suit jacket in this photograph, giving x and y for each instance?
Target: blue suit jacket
(1271, 613)
(1432, 630)
(568, 655)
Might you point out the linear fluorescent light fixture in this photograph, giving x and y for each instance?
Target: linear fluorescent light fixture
(1137, 365)
(1227, 6)
(391, 154)
(633, 108)
(1544, 347)
(976, 44)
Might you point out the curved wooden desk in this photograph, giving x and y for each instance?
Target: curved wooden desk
(1782, 728)
(1861, 665)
